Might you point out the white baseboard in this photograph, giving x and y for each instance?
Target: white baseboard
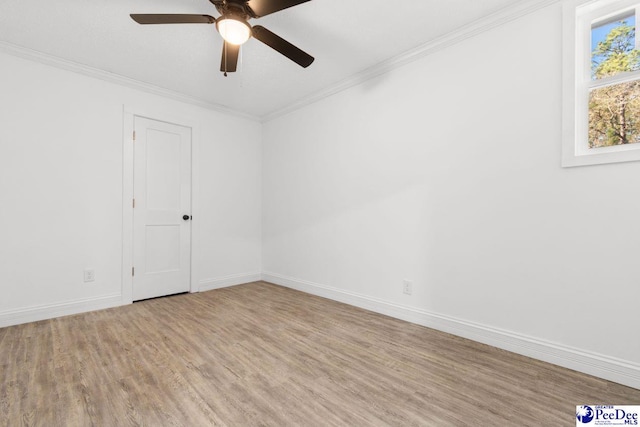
(609, 368)
(226, 281)
(49, 311)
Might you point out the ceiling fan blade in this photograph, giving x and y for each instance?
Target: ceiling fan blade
(157, 18)
(229, 62)
(265, 7)
(276, 42)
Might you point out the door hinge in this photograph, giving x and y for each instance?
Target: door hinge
(134, 203)
(133, 271)
(134, 135)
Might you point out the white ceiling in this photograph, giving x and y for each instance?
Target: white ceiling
(345, 36)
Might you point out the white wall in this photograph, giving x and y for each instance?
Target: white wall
(61, 164)
(447, 172)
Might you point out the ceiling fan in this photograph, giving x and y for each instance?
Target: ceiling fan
(233, 25)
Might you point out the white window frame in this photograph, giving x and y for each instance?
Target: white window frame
(578, 16)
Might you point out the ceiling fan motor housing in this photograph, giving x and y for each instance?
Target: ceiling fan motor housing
(236, 8)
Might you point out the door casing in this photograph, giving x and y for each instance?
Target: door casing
(129, 113)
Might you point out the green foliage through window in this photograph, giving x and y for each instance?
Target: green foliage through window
(614, 115)
(614, 110)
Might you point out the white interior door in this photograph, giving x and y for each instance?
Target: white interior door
(162, 209)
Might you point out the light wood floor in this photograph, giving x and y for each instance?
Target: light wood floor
(260, 354)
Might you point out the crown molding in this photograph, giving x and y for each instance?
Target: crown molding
(479, 26)
(54, 61)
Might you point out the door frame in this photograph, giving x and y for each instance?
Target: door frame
(129, 113)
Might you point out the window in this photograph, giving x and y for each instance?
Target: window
(601, 122)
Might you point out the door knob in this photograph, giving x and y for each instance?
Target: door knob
(186, 217)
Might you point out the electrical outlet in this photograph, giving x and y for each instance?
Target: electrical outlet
(407, 287)
(89, 275)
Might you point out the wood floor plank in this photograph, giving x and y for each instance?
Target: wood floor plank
(263, 355)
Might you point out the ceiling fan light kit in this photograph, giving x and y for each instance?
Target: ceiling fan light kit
(235, 29)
